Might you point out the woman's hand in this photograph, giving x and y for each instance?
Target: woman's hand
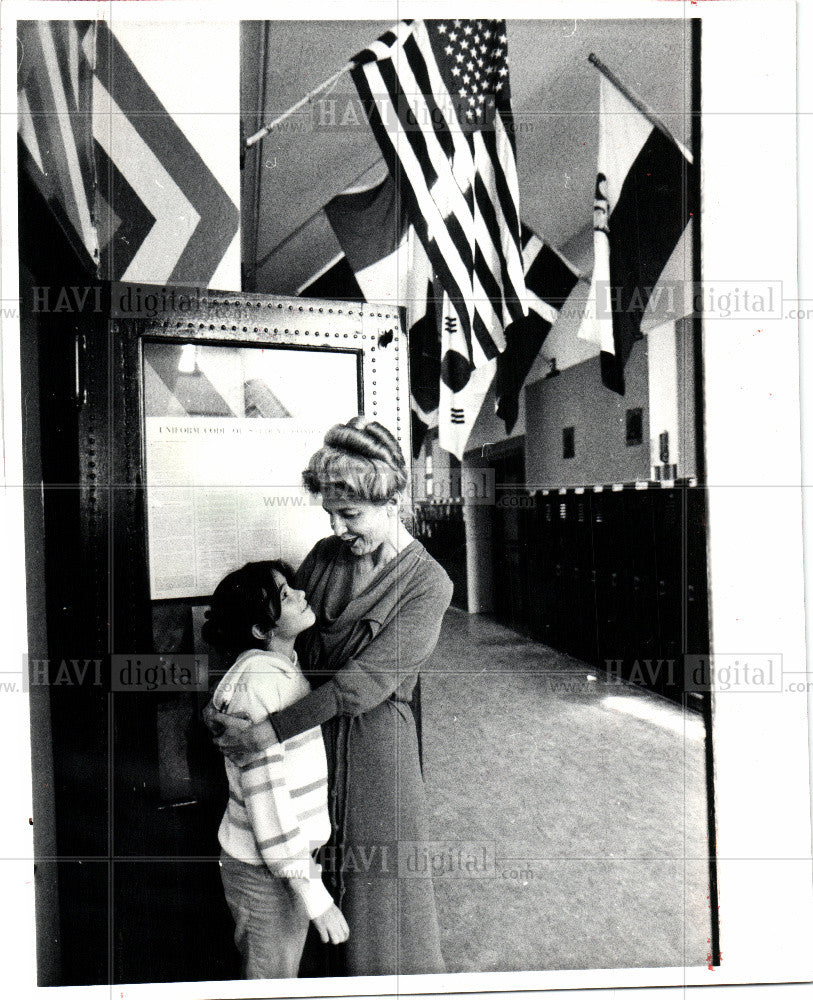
(236, 737)
(332, 926)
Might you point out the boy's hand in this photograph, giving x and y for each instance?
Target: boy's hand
(332, 926)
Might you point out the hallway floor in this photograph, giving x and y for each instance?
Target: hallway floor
(589, 795)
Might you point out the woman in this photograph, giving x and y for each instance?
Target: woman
(379, 600)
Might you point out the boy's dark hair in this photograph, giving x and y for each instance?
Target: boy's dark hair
(249, 596)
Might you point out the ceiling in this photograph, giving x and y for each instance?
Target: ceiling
(298, 168)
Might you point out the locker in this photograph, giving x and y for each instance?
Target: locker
(549, 590)
(639, 543)
(585, 645)
(671, 588)
(610, 575)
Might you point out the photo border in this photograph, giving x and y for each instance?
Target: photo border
(761, 741)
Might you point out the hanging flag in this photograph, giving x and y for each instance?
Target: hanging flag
(335, 281)
(168, 196)
(372, 229)
(146, 197)
(549, 280)
(377, 265)
(437, 97)
(673, 296)
(54, 98)
(383, 261)
(644, 200)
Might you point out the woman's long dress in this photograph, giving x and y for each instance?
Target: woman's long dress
(371, 647)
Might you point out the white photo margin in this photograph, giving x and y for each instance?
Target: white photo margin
(761, 740)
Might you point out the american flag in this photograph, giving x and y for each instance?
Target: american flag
(437, 97)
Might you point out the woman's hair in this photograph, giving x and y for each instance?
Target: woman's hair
(360, 460)
(246, 597)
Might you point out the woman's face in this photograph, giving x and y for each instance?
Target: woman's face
(363, 527)
(295, 613)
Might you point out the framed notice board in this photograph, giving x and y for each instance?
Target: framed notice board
(223, 398)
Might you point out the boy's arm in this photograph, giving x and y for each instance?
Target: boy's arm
(276, 828)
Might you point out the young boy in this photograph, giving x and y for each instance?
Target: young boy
(277, 812)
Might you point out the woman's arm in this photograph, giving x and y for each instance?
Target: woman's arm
(239, 739)
(397, 651)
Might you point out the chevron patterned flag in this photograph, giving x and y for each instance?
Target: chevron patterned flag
(54, 97)
(168, 191)
(437, 97)
(150, 196)
(641, 222)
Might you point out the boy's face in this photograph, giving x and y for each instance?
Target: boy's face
(295, 613)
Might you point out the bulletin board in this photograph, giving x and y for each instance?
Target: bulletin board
(232, 411)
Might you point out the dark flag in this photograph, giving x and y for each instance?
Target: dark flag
(641, 214)
(549, 280)
(383, 261)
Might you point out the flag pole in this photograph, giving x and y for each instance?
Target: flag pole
(267, 129)
(636, 101)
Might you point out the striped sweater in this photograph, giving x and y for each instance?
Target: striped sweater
(277, 810)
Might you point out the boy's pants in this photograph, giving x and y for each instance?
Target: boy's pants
(270, 922)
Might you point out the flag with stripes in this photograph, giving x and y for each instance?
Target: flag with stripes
(168, 201)
(142, 194)
(644, 201)
(383, 261)
(437, 96)
(54, 101)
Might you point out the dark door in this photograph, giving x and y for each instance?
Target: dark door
(77, 711)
